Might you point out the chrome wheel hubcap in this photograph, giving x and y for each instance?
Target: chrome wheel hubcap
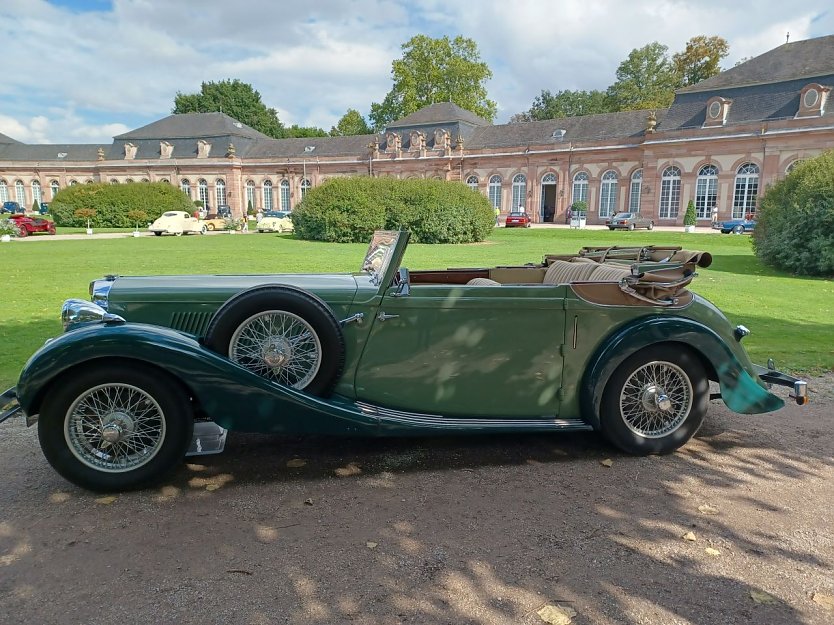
(656, 399)
(114, 428)
(278, 345)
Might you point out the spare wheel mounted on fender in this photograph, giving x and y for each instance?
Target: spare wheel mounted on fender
(281, 333)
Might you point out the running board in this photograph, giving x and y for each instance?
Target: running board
(398, 418)
(209, 438)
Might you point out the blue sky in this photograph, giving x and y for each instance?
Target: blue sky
(82, 71)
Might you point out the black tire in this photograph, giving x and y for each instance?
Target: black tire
(611, 228)
(630, 227)
(650, 226)
(307, 315)
(132, 384)
(159, 234)
(664, 431)
(738, 229)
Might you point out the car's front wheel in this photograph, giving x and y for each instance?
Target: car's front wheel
(283, 334)
(655, 401)
(650, 226)
(115, 426)
(630, 227)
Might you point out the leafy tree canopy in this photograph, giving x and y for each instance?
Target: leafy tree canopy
(235, 98)
(645, 80)
(568, 104)
(436, 70)
(351, 123)
(304, 131)
(700, 59)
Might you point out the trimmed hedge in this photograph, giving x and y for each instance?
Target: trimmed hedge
(795, 223)
(114, 204)
(348, 210)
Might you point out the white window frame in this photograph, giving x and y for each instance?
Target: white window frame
(285, 195)
(670, 193)
(608, 194)
(20, 193)
(519, 193)
(250, 195)
(635, 190)
(4, 191)
(472, 182)
(54, 187)
(706, 191)
(36, 192)
(203, 192)
(746, 190)
(268, 197)
(185, 187)
(220, 191)
(579, 191)
(306, 185)
(495, 183)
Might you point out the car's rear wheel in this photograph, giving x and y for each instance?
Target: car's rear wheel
(115, 426)
(159, 234)
(210, 227)
(650, 226)
(631, 227)
(655, 401)
(738, 229)
(283, 334)
(22, 232)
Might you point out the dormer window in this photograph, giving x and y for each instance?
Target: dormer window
(812, 100)
(717, 110)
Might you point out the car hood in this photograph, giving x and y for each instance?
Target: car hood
(333, 288)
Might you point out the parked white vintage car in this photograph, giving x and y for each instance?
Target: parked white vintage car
(276, 221)
(178, 223)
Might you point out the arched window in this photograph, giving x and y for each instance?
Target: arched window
(519, 193)
(495, 191)
(20, 194)
(145, 180)
(793, 165)
(4, 191)
(88, 181)
(202, 190)
(670, 193)
(306, 185)
(114, 181)
(549, 178)
(267, 195)
(36, 192)
(250, 195)
(185, 187)
(706, 191)
(285, 195)
(472, 182)
(128, 181)
(165, 180)
(634, 192)
(220, 191)
(746, 191)
(608, 194)
(54, 187)
(580, 187)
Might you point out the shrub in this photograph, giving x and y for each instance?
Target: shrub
(36, 208)
(580, 206)
(113, 203)
(795, 223)
(689, 216)
(7, 226)
(434, 211)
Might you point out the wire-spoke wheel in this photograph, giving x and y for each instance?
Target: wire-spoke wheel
(115, 425)
(655, 400)
(283, 334)
(278, 345)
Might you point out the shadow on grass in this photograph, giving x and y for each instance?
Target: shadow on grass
(744, 264)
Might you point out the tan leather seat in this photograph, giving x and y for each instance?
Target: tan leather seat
(610, 273)
(482, 282)
(563, 272)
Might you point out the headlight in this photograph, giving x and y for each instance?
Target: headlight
(99, 289)
(81, 311)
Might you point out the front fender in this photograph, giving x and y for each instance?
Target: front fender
(741, 389)
(226, 393)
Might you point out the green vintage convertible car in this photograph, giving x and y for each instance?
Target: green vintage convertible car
(607, 339)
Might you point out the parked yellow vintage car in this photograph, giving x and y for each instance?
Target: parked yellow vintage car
(276, 221)
(216, 222)
(178, 223)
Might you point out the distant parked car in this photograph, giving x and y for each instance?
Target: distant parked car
(44, 209)
(224, 210)
(218, 222)
(11, 207)
(276, 221)
(178, 223)
(518, 220)
(629, 221)
(31, 225)
(735, 226)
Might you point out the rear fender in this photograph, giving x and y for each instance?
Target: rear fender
(741, 389)
(228, 394)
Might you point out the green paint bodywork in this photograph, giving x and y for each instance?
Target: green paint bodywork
(446, 358)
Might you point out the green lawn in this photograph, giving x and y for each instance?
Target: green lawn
(792, 319)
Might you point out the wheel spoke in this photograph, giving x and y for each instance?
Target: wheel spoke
(640, 399)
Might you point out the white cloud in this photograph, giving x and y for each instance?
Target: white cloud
(85, 76)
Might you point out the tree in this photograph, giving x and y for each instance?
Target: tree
(235, 98)
(700, 59)
(351, 123)
(645, 80)
(436, 70)
(569, 104)
(304, 131)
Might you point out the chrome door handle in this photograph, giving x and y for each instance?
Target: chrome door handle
(381, 316)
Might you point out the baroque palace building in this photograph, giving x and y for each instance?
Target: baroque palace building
(720, 144)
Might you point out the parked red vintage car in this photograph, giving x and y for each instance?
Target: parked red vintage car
(517, 219)
(30, 225)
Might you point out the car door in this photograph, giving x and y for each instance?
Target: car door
(480, 351)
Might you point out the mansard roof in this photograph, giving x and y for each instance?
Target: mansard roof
(193, 126)
(7, 139)
(438, 114)
(790, 61)
(601, 127)
(353, 146)
(51, 152)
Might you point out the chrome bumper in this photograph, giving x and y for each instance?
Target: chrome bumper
(8, 405)
(770, 375)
